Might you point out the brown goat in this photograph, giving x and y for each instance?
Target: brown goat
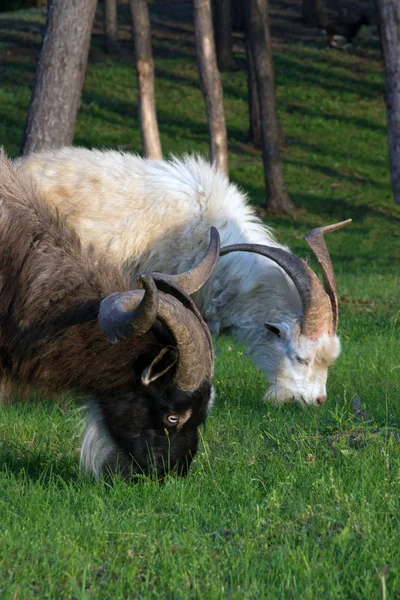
(61, 306)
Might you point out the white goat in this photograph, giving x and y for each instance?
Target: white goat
(155, 216)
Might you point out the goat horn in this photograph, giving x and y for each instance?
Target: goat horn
(196, 354)
(191, 281)
(126, 314)
(188, 303)
(315, 303)
(179, 313)
(315, 239)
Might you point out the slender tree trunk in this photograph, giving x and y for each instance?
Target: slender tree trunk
(255, 135)
(389, 26)
(60, 75)
(223, 34)
(145, 74)
(257, 26)
(312, 13)
(111, 26)
(211, 83)
(254, 106)
(237, 15)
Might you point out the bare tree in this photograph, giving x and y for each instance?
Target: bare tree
(60, 74)
(312, 13)
(211, 83)
(237, 15)
(145, 74)
(257, 27)
(223, 34)
(111, 26)
(389, 27)
(252, 94)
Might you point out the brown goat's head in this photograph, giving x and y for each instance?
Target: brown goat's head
(151, 427)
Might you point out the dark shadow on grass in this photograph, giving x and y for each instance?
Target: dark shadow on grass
(336, 207)
(119, 108)
(11, 121)
(323, 76)
(318, 74)
(20, 45)
(18, 73)
(168, 124)
(337, 175)
(304, 111)
(21, 25)
(342, 208)
(38, 466)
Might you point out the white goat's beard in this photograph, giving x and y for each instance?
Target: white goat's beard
(98, 448)
(278, 396)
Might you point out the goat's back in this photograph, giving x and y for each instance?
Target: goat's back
(155, 214)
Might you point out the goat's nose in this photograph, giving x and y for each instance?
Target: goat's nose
(321, 400)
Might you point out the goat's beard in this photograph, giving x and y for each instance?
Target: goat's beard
(278, 394)
(99, 452)
(101, 455)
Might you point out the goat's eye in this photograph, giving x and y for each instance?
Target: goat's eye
(302, 361)
(172, 419)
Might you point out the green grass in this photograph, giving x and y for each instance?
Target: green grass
(279, 503)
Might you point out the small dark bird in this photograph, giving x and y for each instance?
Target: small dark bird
(348, 31)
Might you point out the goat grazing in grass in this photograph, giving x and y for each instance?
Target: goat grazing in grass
(154, 215)
(70, 321)
(346, 31)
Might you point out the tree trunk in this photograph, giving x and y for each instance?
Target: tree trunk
(312, 13)
(254, 107)
(145, 74)
(389, 26)
(111, 26)
(60, 75)
(237, 15)
(257, 26)
(223, 34)
(211, 83)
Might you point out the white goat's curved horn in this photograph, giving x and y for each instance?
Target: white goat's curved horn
(191, 281)
(317, 311)
(315, 239)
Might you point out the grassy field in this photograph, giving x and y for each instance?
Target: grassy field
(279, 503)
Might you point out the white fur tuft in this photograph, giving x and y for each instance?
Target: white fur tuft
(97, 446)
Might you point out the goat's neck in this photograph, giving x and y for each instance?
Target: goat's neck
(247, 291)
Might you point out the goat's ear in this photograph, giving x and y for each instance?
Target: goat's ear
(162, 363)
(280, 330)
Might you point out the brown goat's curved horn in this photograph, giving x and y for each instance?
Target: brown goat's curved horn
(315, 303)
(196, 354)
(189, 304)
(315, 239)
(126, 314)
(191, 281)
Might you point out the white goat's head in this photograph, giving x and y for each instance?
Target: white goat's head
(297, 365)
(302, 349)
